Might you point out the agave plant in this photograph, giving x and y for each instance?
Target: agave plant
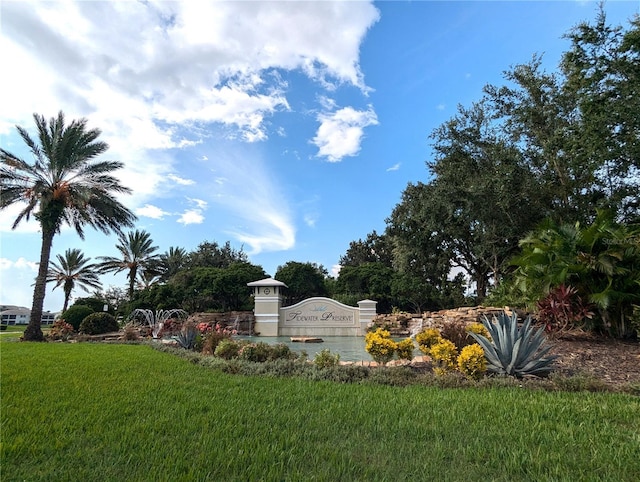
(516, 351)
(187, 336)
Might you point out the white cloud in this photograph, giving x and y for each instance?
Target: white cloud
(194, 215)
(150, 211)
(335, 270)
(20, 263)
(155, 75)
(8, 216)
(340, 132)
(200, 204)
(310, 219)
(191, 216)
(181, 181)
(16, 282)
(441, 107)
(395, 167)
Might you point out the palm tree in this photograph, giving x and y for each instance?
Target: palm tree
(72, 270)
(171, 262)
(62, 186)
(137, 256)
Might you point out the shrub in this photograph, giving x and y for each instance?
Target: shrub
(326, 359)
(456, 332)
(404, 349)
(98, 323)
(427, 338)
(380, 345)
(444, 354)
(212, 336)
(471, 361)
(255, 352)
(393, 376)
(131, 333)
(514, 350)
(60, 330)
(562, 309)
(478, 329)
(227, 349)
(280, 351)
(76, 314)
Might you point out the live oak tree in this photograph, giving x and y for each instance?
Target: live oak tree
(63, 185)
(481, 198)
(546, 145)
(303, 280)
(376, 248)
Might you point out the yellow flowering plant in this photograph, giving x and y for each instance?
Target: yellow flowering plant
(444, 354)
(478, 329)
(380, 345)
(404, 349)
(427, 338)
(471, 361)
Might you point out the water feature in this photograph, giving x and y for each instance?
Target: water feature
(157, 320)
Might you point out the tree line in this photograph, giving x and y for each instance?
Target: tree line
(532, 188)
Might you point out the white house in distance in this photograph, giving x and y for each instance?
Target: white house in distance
(19, 315)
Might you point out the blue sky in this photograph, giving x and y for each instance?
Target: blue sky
(288, 128)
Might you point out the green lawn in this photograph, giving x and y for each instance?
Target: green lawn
(126, 412)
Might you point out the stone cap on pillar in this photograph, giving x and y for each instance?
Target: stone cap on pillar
(267, 287)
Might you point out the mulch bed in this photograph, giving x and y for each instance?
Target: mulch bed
(615, 362)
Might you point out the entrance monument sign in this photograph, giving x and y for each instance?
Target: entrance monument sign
(311, 317)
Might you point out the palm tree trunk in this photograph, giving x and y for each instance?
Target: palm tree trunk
(133, 272)
(67, 296)
(34, 330)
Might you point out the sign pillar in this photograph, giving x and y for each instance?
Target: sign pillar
(367, 314)
(267, 294)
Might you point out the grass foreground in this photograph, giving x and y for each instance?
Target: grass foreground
(88, 411)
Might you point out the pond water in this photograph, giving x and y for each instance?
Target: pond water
(350, 348)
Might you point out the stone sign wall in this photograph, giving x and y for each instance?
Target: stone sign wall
(320, 317)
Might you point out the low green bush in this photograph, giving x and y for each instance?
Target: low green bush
(98, 323)
(75, 315)
(255, 352)
(326, 359)
(227, 349)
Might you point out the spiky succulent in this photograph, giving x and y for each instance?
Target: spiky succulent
(187, 336)
(513, 350)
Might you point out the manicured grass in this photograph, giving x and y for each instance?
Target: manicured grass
(125, 412)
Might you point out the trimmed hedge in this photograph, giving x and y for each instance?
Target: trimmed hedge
(98, 323)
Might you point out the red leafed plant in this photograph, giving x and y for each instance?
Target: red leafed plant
(562, 309)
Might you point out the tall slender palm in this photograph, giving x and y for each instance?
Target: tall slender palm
(64, 185)
(73, 270)
(136, 249)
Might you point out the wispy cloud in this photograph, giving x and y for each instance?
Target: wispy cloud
(310, 219)
(259, 213)
(180, 180)
(340, 132)
(395, 167)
